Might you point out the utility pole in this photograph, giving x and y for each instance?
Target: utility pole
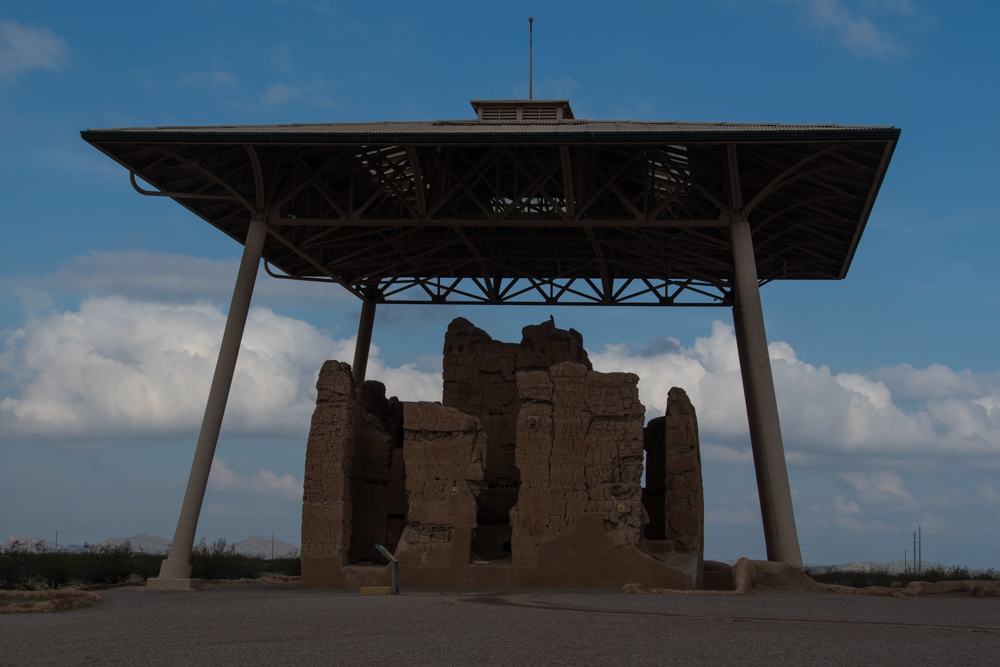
(920, 552)
(915, 553)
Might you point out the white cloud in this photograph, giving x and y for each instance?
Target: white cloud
(133, 365)
(165, 278)
(23, 49)
(823, 414)
(879, 488)
(265, 485)
(860, 25)
(280, 94)
(936, 382)
(845, 506)
(118, 367)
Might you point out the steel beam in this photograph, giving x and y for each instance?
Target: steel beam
(775, 494)
(364, 341)
(175, 571)
(780, 535)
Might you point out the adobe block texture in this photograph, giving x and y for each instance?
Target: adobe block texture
(527, 474)
(445, 452)
(480, 378)
(353, 489)
(674, 496)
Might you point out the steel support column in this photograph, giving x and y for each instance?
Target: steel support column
(364, 341)
(762, 407)
(175, 571)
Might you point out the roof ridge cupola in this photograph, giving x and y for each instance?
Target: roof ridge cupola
(522, 110)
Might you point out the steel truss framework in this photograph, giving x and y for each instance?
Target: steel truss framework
(567, 212)
(432, 216)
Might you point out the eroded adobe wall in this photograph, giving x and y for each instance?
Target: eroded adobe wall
(673, 496)
(480, 380)
(326, 489)
(565, 444)
(685, 510)
(445, 452)
(354, 493)
(378, 491)
(579, 449)
(579, 515)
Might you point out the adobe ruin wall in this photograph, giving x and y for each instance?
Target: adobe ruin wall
(527, 474)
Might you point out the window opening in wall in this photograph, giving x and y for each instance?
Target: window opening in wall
(654, 443)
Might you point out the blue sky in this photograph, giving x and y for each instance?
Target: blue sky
(112, 304)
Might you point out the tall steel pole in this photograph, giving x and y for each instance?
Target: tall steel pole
(363, 342)
(756, 439)
(780, 534)
(175, 571)
(531, 49)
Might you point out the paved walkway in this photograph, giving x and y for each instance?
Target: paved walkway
(281, 625)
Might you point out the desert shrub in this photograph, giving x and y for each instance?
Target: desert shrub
(18, 567)
(146, 565)
(31, 567)
(54, 568)
(220, 561)
(884, 577)
(858, 579)
(291, 566)
(104, 564)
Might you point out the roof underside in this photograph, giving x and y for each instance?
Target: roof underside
(571, 212)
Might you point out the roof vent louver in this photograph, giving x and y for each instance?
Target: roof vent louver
(522, 110)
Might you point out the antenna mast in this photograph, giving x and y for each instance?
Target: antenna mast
(531, 20)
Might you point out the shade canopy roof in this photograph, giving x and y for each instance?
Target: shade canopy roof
(526, 212)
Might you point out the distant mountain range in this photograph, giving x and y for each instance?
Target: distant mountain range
(31, 542)
(147, 544)
(260, 547)
(892, 566)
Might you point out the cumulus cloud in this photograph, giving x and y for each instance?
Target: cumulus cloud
(118, 367)
(846, 506)
(125, 365)
(824, 415)
(879, 488)
(265, 485)
(23, 49)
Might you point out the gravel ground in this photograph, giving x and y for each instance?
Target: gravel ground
(281, 625)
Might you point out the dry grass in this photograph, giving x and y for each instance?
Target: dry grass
(46, 601)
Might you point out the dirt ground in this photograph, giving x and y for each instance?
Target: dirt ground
(278, 624)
